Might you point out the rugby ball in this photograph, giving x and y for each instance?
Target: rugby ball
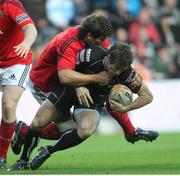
(121, 94)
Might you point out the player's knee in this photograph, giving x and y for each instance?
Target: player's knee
(8, 109)
(90, 131)
(85, 133)
(87, 130)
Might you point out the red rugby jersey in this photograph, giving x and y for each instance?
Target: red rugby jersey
(60, 53)
(12, 18)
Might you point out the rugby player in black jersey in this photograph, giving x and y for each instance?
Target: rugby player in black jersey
(89, 100)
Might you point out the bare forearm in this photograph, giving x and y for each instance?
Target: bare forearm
(74, 78)
(30, 34)
(144, 97)
(139, 102)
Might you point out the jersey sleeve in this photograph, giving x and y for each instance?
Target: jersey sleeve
(126, 77)
(67, 60)
(17, 13)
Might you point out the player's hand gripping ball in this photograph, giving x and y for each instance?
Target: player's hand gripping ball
(121, 94)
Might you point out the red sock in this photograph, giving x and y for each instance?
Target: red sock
(123, 120)
(6, 132)
(24, 130)
(51, 132)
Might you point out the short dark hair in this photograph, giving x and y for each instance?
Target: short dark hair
(97, 25)
(120, 54)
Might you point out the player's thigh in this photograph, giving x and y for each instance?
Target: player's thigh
(11, 95)
(63, 98)
(56, 107)
(13, 83)
(86, 118)
(46, 113)
(10, 98)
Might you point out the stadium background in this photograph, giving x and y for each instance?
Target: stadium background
(152, 28)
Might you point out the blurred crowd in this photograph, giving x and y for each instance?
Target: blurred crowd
(150, 26)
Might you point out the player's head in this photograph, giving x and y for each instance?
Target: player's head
(94, 29)
(119, 58)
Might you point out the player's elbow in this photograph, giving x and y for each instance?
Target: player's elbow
(34, 31)
(64, 77)
(30, 27)
(64, 80)
(149, 98)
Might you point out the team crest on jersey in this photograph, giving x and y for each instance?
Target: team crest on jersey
(21, 18)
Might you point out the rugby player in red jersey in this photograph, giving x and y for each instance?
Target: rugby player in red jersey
(17, 34)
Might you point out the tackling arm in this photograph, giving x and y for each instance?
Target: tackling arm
(74, 78)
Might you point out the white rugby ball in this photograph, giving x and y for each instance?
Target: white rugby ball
(121, 94)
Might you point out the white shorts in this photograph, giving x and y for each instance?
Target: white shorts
(15, 75)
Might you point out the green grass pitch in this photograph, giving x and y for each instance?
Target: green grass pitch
(113, 155)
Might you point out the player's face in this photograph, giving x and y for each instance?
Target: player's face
(90, 40)
(113, 69)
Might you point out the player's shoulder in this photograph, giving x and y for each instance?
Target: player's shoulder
(15, 2)
(93, 58)
(99, 48)
(68, 36)
(10, 3)
(94, 55)
(71, 32)
(98, 51)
